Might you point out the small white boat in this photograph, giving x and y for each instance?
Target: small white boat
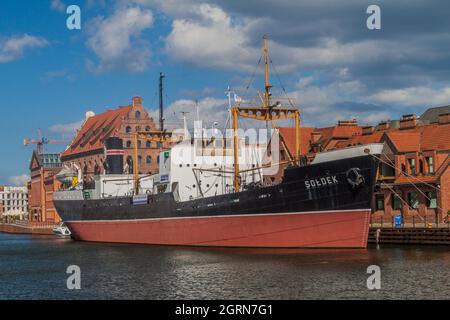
(62, 230)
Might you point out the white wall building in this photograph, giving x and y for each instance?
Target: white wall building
(13, 202)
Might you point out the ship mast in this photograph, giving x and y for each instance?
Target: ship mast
(267, 85)
(266, 112)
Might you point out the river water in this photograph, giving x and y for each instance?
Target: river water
(34, 267)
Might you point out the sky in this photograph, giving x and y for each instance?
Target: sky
(322, 55)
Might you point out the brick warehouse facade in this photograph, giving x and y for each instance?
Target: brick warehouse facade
(43, 170)
(87, 149)
(418, 188)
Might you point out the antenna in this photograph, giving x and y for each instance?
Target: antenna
(197, 110)
(186, 132)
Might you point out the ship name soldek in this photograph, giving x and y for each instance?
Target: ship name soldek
(321, 182)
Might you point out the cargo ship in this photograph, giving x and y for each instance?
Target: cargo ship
(205, 195)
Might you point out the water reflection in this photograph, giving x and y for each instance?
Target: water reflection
(35, 268)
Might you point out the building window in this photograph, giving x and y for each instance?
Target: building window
(147, 128)
(412, 166)
(431, 199)
(139, 143)
(149, 159)
(413, 200)
(138, 115)
(128, 144)
(157, 160)
(158, 145)
(396, 202)
(128, 129)
(139, 160)
(148, 144)
(138, 129)
(430, 164)
(379, 202)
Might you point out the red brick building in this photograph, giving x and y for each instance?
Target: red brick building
(87, 149)
(415, 176)
(43, 183)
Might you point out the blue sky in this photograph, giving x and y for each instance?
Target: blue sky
(324, 55)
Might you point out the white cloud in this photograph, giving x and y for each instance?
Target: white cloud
(116, 40)
(58, 74)
(68, 129)
(413, 96)
(19, 180)
(58, 5)
(13, 48)
(207, 36)
(211, 39)
(375, 118)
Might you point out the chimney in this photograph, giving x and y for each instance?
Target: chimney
(315, 136)
(384, 125)
(444, 118)
(367, 130)
(342, 123)
(408, 121)
(137, 102)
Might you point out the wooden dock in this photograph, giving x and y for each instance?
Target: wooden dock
(410, 235)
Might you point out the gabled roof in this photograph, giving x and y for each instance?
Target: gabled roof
(95, 129)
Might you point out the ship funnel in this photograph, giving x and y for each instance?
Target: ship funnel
(114, 155)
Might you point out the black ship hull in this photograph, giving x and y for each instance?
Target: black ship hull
(320, 205)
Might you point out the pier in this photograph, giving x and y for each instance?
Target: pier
(23, 227)
(430, 234)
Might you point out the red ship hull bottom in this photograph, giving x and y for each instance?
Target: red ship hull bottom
(326, 229)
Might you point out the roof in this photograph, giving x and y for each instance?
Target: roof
(95, 129)
(331, 136)
(46, 160)
(361, 139)
(428, 137)
(432, 114)
(288, 135)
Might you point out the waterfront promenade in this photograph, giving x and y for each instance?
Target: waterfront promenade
(25, 227)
